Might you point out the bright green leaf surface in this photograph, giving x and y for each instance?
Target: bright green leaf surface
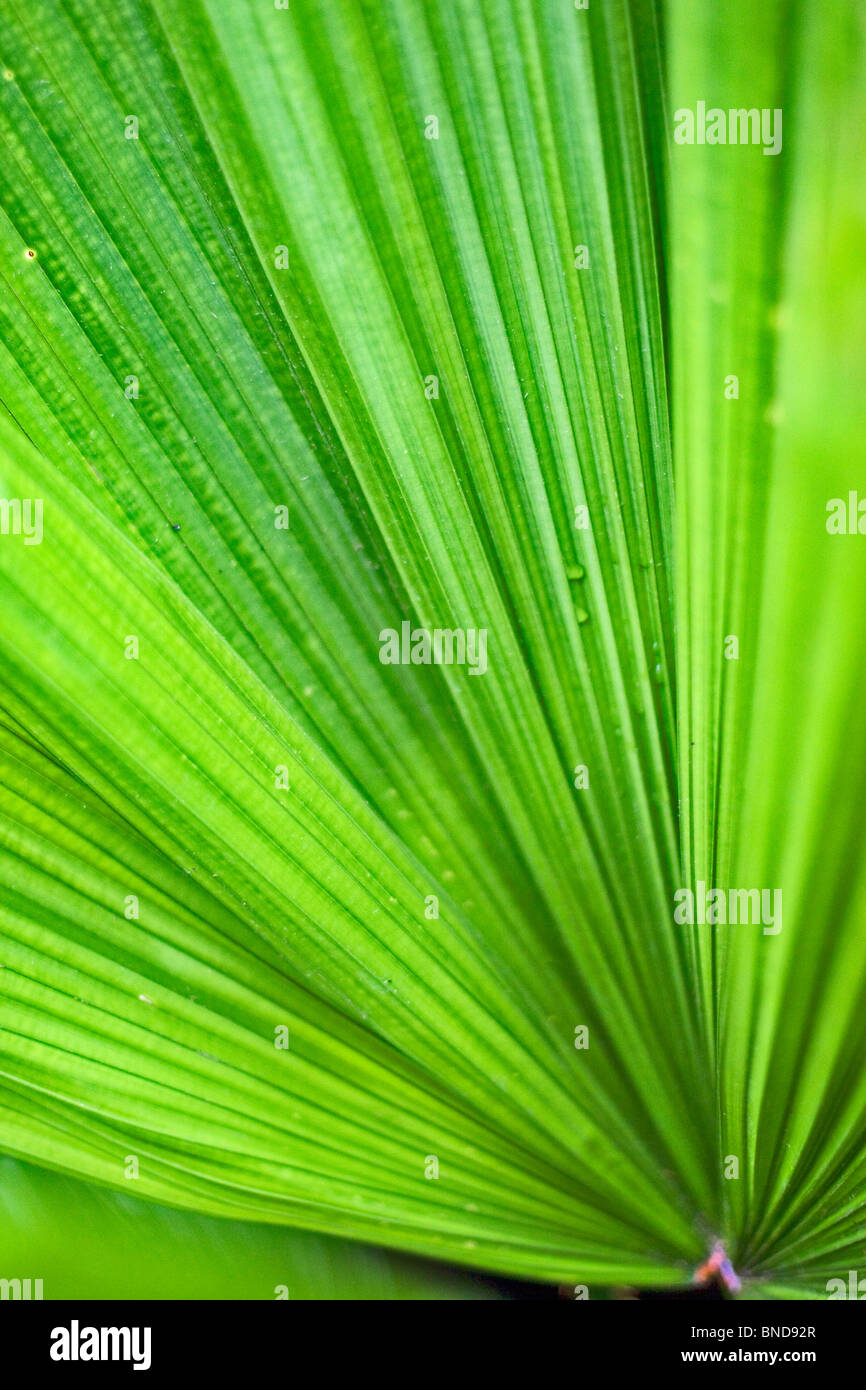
(89, 1243)
(436, 280)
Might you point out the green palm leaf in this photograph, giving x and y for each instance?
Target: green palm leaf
(397, 274)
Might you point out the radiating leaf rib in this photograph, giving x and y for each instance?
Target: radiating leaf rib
(208, 1045)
